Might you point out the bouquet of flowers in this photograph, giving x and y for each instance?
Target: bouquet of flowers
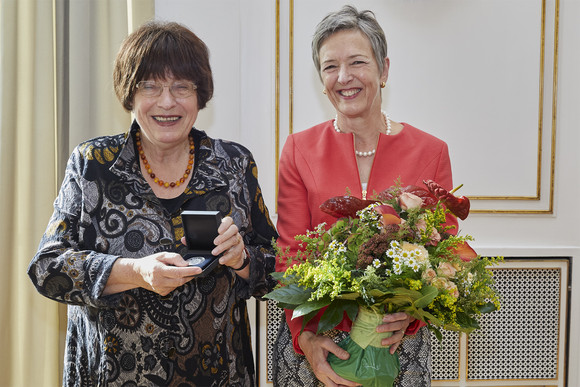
(394, 253)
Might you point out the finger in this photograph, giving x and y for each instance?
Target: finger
(225, 224)
(392, 323)
(394, 317)
(230, 241)
(234, 256)
(327, 381)
(225, 234)
(171, 259)
(338, 380)
(227, 247)
(394, 339)
(167, 281)
(337, 351)
(389, 327)
(236, 241)
(180, 272)
(325, 369)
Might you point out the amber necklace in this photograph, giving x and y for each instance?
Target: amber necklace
(160, 182)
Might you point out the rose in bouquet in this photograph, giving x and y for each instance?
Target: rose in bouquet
(395, 253)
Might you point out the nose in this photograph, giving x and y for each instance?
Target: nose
(166, 100)
(344, 75)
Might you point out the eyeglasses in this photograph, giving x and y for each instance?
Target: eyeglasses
(152, 89)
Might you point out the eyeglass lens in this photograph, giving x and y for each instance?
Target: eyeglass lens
(178, 89)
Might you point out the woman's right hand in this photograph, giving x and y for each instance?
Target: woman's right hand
(161, 273)
(316, 349)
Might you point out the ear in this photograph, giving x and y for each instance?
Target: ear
(385, 73)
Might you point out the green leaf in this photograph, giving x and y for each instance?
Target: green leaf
(277, 275)
(414, 294)
(376, 293)
(334, 314)
(488, 308)
(331, 317)
(283, 305)
(429, 318)
(436, 331)
(352, 311)
(429, 293)
(399, 300)
(348, 296)
(466, 321)
(290, 294)
(307, 318)
(309, 307)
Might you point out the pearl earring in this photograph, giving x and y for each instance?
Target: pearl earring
(324, 91)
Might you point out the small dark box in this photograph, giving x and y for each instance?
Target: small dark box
(200, 229)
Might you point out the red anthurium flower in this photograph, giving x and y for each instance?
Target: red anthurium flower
(389, 214)
(465, 252)
(344, 206)
(459, 206)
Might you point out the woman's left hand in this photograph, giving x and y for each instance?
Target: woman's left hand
(231, 244)
(396, 323)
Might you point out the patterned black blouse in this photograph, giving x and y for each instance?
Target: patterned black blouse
(199, 334)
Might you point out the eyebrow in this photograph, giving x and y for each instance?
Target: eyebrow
(350, 57)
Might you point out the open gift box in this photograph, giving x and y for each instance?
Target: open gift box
(200, 229)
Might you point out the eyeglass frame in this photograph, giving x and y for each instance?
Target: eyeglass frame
(161, 87)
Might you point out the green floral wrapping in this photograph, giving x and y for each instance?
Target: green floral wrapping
(370, 363)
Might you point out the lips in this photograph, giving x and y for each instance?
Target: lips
(349, 92)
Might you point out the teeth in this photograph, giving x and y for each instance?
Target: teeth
(349, 93)
(166, 119)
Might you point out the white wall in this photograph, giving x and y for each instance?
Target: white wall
(240, 37)
(467, 71)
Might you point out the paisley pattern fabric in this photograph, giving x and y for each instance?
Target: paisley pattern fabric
(199, 334)
(291, 369)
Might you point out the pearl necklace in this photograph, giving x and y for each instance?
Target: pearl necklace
(371, 152)
(160, 182)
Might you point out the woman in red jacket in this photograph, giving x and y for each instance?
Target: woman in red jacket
(360, 151)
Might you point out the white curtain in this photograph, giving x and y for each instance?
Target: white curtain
(56, 90)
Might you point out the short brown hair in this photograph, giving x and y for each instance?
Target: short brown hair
(157, 49)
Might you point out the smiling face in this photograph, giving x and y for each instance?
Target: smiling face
(165, 120)
(350, 73)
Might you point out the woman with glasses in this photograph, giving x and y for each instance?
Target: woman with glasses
(114, 251)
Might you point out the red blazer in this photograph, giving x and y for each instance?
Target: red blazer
(319, 163)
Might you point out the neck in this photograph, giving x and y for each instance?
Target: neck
(164, 169)
(366, 140)
(364, 126)
(165, 154)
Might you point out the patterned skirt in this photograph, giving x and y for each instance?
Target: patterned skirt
(293, 370)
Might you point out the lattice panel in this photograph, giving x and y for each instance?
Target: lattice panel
(520, 341)
(445, 356)
(274, 316)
